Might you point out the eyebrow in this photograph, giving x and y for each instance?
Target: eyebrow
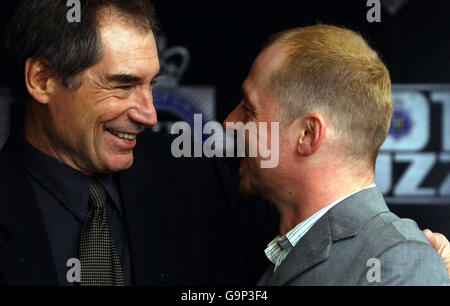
(123, 78)
(126, 78)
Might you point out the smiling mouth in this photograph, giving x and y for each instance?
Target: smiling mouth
(122, 135)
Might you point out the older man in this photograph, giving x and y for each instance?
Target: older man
(331, 94)
(73, 209)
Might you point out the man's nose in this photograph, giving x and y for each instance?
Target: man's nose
(234, 116)
(144, 111)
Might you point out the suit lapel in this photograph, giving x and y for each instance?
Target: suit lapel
(25, 254)
(343, 221)
(311, 250)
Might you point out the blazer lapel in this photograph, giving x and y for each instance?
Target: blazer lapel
(343, 221)
(25, 254)
(311, 250)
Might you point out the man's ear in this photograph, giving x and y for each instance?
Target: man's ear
(312, 134)
(39, 80)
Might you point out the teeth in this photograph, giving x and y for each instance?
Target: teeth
(123, 135)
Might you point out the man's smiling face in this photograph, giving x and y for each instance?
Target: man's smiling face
(93, 129)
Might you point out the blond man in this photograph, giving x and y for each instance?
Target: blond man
(331, 94)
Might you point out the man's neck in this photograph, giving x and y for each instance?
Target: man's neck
(310, 197)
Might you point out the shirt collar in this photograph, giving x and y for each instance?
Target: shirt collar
(69, 186)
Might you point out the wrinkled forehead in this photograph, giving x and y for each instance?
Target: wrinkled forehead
(127, 49)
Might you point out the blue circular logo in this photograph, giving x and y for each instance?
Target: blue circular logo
(401, 123)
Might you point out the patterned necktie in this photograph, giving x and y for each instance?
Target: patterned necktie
(100, 262)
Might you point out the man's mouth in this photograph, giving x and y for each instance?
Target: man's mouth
(122, 135)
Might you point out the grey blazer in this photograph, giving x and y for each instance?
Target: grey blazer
(339, 248)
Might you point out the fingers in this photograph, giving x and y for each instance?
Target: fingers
(441, 245)
(441, 242)
(432, 239)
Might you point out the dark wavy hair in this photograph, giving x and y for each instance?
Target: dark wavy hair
(40, 29)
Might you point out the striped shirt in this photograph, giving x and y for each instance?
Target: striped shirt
(279, 247)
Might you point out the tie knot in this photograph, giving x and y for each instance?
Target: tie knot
(97, 194)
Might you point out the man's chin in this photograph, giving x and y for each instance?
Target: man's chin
(247, 189)
(119, 164)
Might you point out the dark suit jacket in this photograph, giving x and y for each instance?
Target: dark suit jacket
(186, 224)
(341, 247)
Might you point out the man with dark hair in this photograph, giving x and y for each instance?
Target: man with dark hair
(68, 47)
(74, 187)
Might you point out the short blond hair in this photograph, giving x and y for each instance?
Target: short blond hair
(334, 71)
